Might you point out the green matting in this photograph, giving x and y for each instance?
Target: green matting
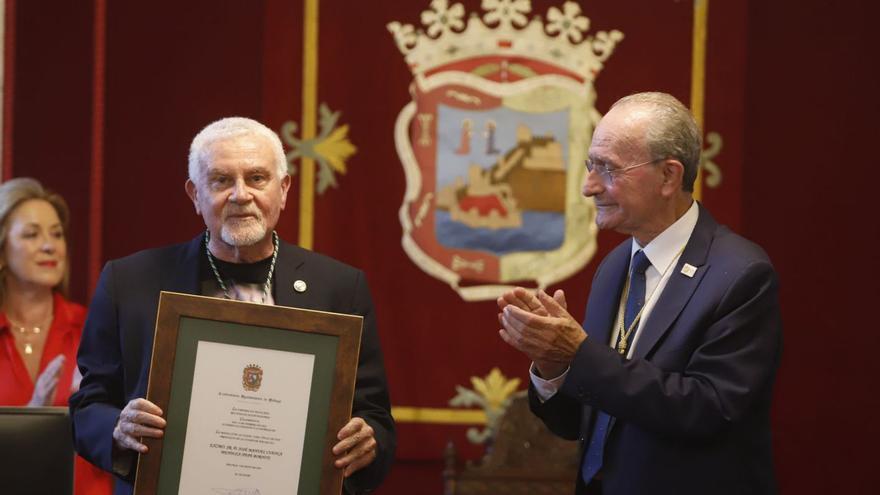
(193, 330)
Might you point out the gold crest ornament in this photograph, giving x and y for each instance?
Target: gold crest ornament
(493, 393)
(494, 142)
(252, 377)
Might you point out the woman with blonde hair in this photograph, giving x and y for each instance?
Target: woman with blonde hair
(39, 328)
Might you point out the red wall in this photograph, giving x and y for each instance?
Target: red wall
(50, 129)
(809, 198)
(788, 86)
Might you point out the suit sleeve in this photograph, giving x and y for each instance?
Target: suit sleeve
(371, 400)
(729, 370)
(560, 413)
(95, 407)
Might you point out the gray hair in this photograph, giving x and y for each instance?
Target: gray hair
(13, 193)
(228, 128)
(672, 132)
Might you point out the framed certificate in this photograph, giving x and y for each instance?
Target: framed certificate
(253, 396)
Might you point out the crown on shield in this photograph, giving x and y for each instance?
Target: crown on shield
(504, 30)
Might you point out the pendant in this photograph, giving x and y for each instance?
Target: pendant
(28, 349)
(621, 347)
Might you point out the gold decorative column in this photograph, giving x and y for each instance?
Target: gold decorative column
(698, 75)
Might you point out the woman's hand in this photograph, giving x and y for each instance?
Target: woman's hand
(47, 383)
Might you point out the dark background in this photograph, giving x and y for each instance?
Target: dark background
(791, 86)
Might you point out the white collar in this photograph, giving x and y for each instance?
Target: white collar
(664, 248)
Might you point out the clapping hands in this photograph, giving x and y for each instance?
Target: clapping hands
(540, 327)
(47, 383)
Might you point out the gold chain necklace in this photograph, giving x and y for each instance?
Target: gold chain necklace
(624, 333)
(27, 333)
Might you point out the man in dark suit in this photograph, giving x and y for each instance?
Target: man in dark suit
(668, 383)
(238, 183)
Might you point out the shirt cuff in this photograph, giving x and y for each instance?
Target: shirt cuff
(546, 388)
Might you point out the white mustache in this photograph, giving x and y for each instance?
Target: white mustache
(229, 211)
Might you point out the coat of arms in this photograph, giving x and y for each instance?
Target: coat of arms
(494, 142)
(252, 377)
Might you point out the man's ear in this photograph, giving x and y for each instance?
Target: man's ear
(285, 186)
(193, 192)
(673, 174)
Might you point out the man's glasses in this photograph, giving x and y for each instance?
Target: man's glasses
(608, 174)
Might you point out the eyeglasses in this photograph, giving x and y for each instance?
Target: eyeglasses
(609, 174)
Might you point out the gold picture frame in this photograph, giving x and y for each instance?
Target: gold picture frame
(187, 323)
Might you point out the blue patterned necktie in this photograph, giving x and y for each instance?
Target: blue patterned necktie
(634, 302)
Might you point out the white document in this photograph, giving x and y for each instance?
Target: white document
(247, 421)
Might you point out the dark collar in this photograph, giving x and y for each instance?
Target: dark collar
(185, 277)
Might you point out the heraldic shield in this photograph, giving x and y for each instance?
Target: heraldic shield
(493, 145)
(252, 377)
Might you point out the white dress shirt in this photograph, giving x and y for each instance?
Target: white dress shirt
(663, 252)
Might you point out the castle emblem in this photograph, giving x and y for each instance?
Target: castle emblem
(252, 377)
(493, 144)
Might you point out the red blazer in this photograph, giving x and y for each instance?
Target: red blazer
(16, 387)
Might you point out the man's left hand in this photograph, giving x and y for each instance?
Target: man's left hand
(548, 335)
(356, 448)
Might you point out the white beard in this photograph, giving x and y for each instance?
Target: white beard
(244, 233)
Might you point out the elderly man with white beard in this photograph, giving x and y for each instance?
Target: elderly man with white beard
(238, 183)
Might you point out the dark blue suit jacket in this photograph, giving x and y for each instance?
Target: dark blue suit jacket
(692, 406)
(116, 348)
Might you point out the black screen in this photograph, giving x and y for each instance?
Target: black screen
(36, 451)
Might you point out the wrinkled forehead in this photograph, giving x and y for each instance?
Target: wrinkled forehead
(621, 132)
(245, 149)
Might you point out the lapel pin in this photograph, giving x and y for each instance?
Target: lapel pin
(688, 270)
(300, 286)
